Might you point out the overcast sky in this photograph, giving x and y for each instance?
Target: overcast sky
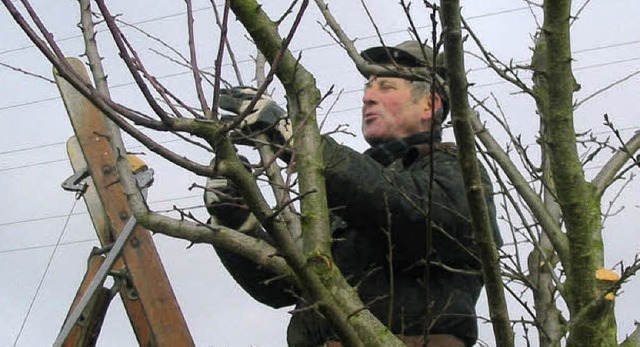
(39, 280)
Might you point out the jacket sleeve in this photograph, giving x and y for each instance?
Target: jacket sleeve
(258, 282)
(377, 200)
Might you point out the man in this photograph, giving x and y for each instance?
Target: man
(406, 189)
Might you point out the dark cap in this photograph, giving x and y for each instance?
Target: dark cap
(417, 57)
(408, 54)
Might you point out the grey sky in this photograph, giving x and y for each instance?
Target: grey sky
(33, 161)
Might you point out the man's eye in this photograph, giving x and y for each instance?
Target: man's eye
(386, 86)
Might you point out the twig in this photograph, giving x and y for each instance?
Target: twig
(91, 48)
(372, 22)
(287, 12)
(577, 15)
(218, 62)
(234, 62)
(333, 104)
(604, 89)
(281, 189)
(17, 69)
(203, 73)
(490, 59)
(131, 64)
(197, 78)
(515, 140)
(608, 173)
(347, 43)
(607, 212)
(164, 93)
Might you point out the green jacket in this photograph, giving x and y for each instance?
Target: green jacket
(374, 205)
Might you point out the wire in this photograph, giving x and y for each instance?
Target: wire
(181, 13)
(29, 248)
(580, 68)
(31, 148)
(145, 21)
(333, 112)
(154, 19)
(615, 62)
(58, 160)
(29, 103)
(46, 270)
(32, 165)
(31, 220)
(175, 74)
(597, 48)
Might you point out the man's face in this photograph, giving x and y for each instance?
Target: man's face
(388, 111)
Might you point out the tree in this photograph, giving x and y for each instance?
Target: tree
(562, 230)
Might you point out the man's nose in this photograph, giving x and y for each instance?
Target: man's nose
(370, 96)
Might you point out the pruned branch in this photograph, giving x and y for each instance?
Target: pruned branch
(606, 176)
(465, 138)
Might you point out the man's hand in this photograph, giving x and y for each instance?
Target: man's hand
(265, 117)
(227, 207)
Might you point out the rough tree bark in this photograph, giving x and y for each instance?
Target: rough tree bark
(579, 204)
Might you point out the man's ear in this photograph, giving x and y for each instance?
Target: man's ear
(430, 109)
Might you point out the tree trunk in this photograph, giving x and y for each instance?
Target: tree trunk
(580, 206)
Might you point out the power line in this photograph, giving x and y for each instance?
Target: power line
(590, 49)
(77, 36)
(29, 103)
(40, 219)
(30, 248)
(613, 45)
(182, 13)
(615, 62)
(159, 18)
(580, 68)
(117, 86)
(44, 275)
(578, 51)
(151, 203)
(172, 15)
(33, 165)
(57, 160)
(177, 14)
(31, 148)
(349, 109)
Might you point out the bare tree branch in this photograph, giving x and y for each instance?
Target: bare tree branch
(547, 222)
(506, 72)
(606, 176)
(604, 89)
(197, 78)
(465, 138)
(234, 62)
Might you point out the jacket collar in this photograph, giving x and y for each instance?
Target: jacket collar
(408, 148)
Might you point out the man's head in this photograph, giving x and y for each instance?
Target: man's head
(393, 107)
